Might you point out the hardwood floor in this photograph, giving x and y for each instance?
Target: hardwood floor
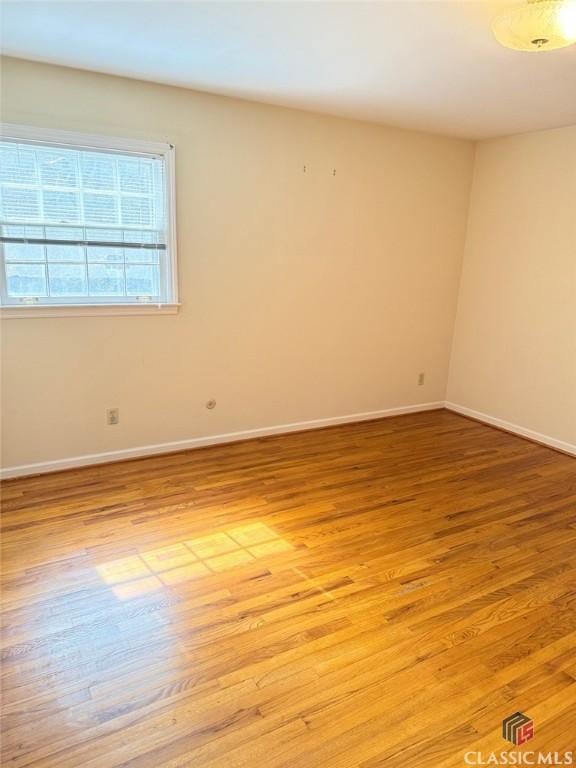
(375, 594)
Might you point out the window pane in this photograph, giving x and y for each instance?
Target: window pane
(142, 236)
(64, 233)
(100, 209)
(136, 211)
(106, 280)
(25, 280)
(142, 280)
(98, 171)
(57, 168)
(102, 253)
(20, 204)
(18, 164)
(104, 235)
(141, 256)
(12, 230)
(65, 253)
(135, 175)
(61, 206)
(20, 252)
(67, 279)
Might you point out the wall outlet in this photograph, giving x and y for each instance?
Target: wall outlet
(420, 379)
(112, 416)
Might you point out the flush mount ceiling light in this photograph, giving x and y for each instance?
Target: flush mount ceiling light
(538, 25)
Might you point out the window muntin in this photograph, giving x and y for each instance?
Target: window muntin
(84, 224)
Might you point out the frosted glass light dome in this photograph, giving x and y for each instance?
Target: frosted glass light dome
(538, 25)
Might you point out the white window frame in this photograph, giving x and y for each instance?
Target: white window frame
(87, 141)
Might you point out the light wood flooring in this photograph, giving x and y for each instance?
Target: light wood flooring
(370, 595)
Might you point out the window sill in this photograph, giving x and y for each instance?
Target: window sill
(86, 310)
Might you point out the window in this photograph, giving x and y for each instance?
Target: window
(85, 222)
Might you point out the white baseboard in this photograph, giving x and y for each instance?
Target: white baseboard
(514, 428)
(199, 442)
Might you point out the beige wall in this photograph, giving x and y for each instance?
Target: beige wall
(514, 354)
(305, 296)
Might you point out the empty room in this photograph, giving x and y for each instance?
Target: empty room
(288, 347)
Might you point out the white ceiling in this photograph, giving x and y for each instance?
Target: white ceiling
(430, 65)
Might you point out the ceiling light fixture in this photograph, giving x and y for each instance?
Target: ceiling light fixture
(538, 25)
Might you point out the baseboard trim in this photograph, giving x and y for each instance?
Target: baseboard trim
(125, 454)
(515, 429)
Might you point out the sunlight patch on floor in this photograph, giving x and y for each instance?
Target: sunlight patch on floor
(184, 561)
